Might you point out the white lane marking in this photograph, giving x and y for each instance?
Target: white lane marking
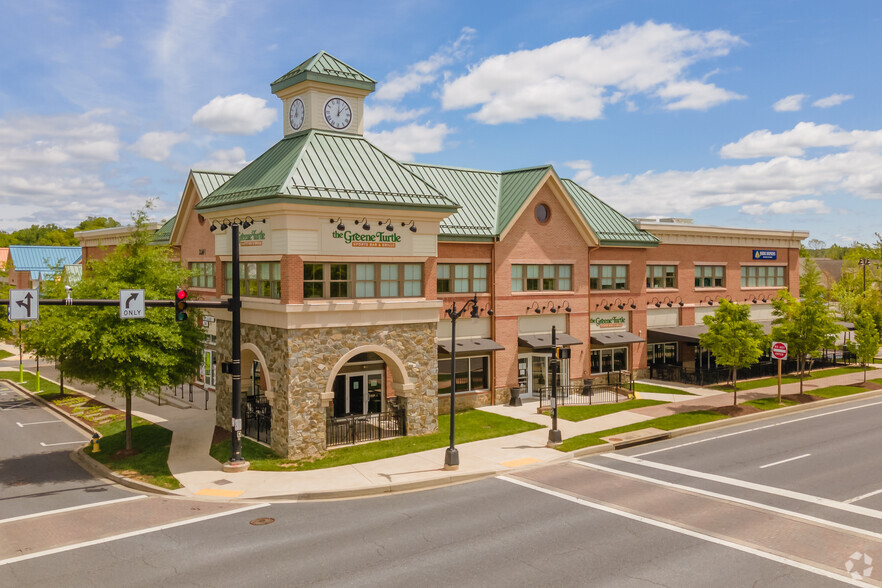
(62, 443)
(862, 496)
(55, 550)
(774, 463)
(727, 498)
(47, 513)
(690, 533)
(38, 423)
(867, 512)
(823, 414)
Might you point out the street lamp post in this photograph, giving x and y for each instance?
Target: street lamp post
(451, 456)
(554, 436)
(864, 262)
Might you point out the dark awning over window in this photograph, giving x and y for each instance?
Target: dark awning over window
(469, 345)
(543, 340)
(689, 333)
(620, 337)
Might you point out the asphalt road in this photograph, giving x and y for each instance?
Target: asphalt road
(693, 511)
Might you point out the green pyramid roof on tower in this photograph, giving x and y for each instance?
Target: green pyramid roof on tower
(323, 67)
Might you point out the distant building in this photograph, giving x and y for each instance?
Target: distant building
(29, 264)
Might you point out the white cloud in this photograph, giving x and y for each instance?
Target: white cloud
(375, 114)
(109, 41)
(786, 207)
(157, 145)
(832, 100)
(575, 78)
(790, 103)
(424, 72)
(403, 142)
(803, 136)
(680, 193)
(223, 160)
(239, 114)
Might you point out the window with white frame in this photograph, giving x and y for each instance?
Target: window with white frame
(710, 276)
(661, 276)
(762, 276)
(609, 277)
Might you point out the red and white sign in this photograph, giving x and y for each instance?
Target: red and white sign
(779, 350)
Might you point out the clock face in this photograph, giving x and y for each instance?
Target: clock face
(337, 113)
(296, 114)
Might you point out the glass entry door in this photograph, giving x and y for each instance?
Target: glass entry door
(534, 372)
(359, 393)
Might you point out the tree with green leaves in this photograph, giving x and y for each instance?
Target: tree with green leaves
(866, 340)
(130, 357)
(806, 325)
(734, 339)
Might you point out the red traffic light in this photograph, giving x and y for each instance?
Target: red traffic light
(181, 294)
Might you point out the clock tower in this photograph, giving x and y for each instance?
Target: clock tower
(323, 93)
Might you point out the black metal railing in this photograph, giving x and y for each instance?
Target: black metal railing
(352, 429)
(257, 418)
(585, 394)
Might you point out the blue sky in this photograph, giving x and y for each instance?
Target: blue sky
(746, 114)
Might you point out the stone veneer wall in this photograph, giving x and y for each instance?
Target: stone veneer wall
(300, 363)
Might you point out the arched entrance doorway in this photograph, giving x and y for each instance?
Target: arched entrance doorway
(257, 395)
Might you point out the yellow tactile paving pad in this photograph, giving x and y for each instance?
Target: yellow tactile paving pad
(219, 493)
(516, 463)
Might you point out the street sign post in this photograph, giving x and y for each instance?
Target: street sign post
(131, 304)
(779, 352)
(24, 305)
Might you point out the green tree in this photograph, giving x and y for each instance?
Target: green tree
(96, 222)
(130, 357)
(734, 339)
(866, 340)
(805, 325)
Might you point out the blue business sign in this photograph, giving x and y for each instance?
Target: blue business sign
(765, 254)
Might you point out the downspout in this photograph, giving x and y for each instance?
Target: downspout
(588, 343)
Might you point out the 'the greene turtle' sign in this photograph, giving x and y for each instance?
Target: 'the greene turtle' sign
(378, 239)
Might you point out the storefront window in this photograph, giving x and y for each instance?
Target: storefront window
(661, 276)
(472, 373)
(339, 284)
(364, 280)
(761, 276)
(661, 353)
(203, 274)
(535, 277)
(609, 360)
(259, 279)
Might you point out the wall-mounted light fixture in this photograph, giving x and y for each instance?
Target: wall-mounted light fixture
(655, 301)
(364, 224)
(388, 223)
(620, 303)
(340, 225)
(678, 300)
(412, 228)
(535, 308)
(632, 303)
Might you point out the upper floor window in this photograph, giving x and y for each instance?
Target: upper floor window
(261, 279)
(203, 274)
(535, 277)
(762, 276)
(456, 278)
(609, 277)
(710, 276)
(362, 280)
(661, 276)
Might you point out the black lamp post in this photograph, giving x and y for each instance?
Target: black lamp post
(236, 463)
(451, 456)
(554, 436)
(864, 262)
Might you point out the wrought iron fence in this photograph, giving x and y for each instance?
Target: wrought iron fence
(586, 394)
(257, 418)
(348, 430)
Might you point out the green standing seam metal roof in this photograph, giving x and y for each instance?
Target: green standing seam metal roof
(43, 260)
(611, 227)
(514, 189)
(323, 67)
(322, 167)
(208, 181)
(163, 235)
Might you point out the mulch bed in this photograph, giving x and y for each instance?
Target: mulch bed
(70, 403)
(739, 410)
(868, 385)
(220, 435)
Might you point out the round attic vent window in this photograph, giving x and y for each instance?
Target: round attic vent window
(542, 213)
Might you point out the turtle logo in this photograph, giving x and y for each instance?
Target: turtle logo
(854, 561)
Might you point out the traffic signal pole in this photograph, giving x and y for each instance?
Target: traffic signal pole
(236, 463)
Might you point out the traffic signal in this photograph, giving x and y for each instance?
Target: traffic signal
(180, 304)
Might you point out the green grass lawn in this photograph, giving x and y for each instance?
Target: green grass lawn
(30, 382)
(769, 403)
(580, 413)
(659, 389)
(836, 391)
(667, 423)
(4, 354)
(150, 465)
(472, 425)
(789, 379)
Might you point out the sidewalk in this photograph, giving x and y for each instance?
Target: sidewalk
(203, 477)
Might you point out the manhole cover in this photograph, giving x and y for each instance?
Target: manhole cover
(262, 521)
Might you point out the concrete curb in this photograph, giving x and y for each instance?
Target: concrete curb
(100, 470)
(69, 418)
